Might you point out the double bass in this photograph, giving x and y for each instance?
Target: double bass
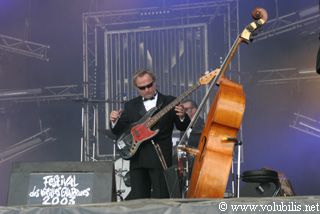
(213, 157)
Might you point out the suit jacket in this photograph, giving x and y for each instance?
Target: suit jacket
(146, 156)
(196, 133)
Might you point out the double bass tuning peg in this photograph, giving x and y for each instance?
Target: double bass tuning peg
(259, 13)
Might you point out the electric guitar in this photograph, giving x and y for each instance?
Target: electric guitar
(129, 142)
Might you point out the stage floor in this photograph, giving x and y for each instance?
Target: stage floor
(297, 204)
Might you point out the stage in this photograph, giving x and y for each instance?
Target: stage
(298, 204)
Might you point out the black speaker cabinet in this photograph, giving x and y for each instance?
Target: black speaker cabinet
(61, 183)
(260, 190)
(260, 183)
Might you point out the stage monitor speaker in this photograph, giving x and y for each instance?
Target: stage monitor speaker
(61, 183)
(260, 183)
(260, 190)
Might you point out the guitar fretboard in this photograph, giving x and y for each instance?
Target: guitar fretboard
(153, 120)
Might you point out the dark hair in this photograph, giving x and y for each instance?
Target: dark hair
(193, 103)
(141, 73)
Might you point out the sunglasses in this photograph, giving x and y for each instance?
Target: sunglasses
(146, 86)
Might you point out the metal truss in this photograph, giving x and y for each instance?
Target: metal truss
(291, 21)
(285, 75)
(97, 23)
(302, 19)
(112, 20)
(306, 124)
(26, 48)
(26, 145)
(48, 93)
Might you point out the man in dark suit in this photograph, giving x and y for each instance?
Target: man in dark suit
(193, 141)
(146, 172)
(191, 107)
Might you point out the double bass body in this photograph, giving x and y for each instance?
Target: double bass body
(212, 164)
(213, 160)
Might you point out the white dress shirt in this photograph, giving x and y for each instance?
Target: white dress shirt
(149, 104)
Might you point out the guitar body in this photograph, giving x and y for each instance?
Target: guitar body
(129, 142)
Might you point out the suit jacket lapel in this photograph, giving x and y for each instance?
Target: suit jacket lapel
(141, 109)
(160, 101)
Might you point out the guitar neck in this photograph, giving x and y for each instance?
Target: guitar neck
(153, 120)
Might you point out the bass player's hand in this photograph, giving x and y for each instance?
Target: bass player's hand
(114, 115)
(180, 111)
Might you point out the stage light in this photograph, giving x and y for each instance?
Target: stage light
(154, 12)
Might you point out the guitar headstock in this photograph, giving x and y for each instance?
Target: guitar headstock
(205, 79)
(260, 16)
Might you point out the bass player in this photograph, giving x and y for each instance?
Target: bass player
(146, 172)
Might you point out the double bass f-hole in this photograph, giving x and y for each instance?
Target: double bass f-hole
(204, 140)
